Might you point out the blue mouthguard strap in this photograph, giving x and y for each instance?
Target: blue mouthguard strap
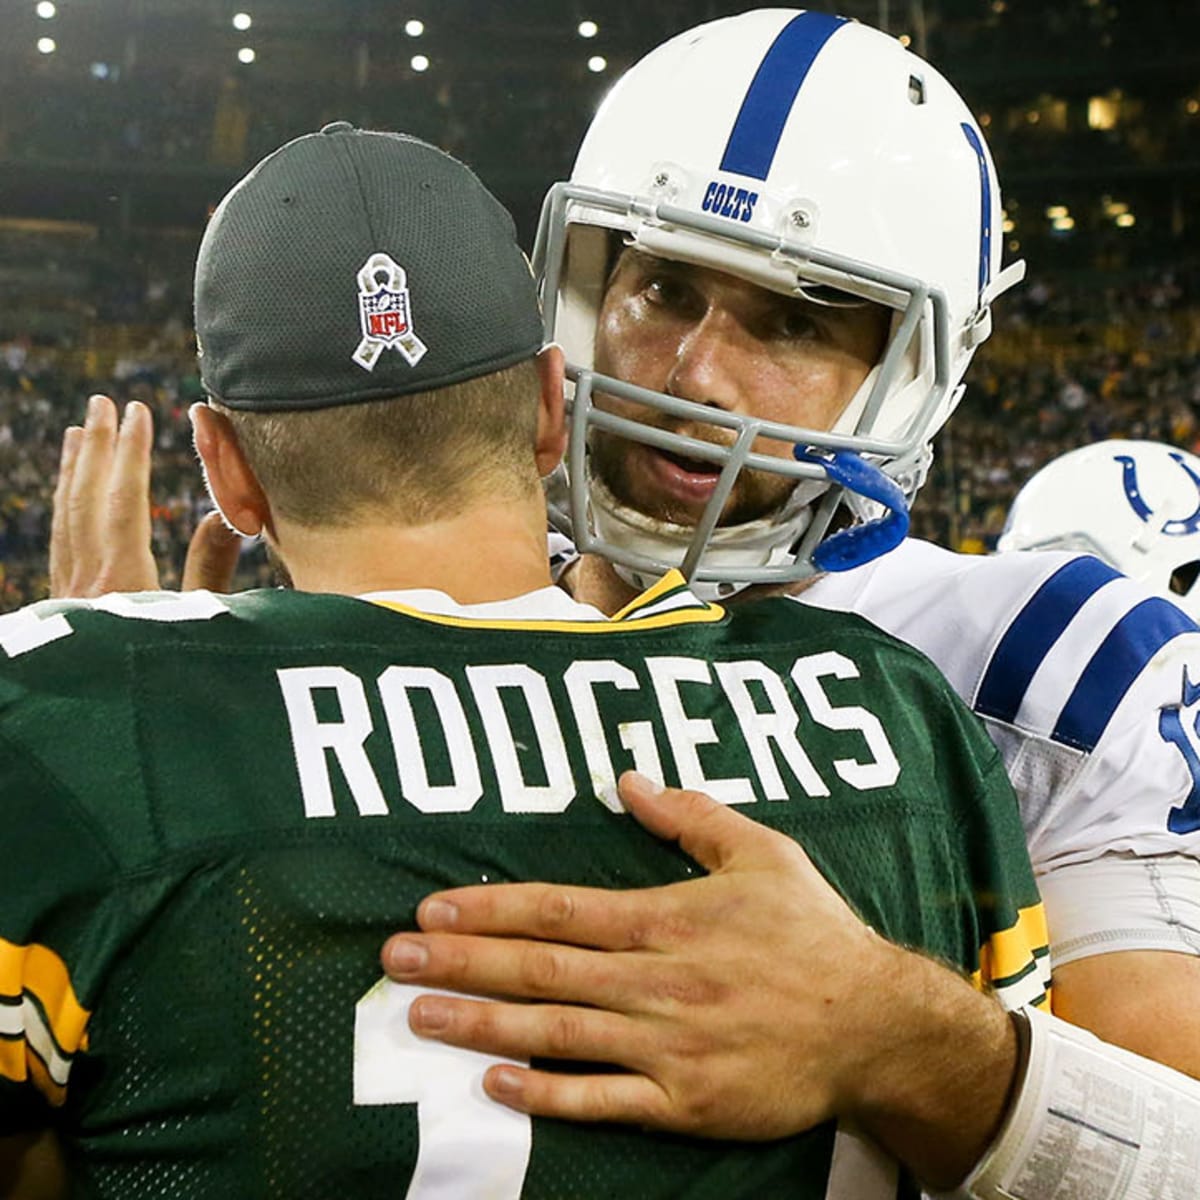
(859, 544)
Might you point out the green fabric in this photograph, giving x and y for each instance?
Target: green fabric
(157, 841)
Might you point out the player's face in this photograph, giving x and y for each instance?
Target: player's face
(703, 335)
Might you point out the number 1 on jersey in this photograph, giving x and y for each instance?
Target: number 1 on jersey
(469, 1144)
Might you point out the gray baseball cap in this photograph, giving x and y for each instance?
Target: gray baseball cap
(351, 265)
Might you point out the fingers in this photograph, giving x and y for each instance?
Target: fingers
(711, 833)
(86, 505)
(60, 526)
(714, 835)
(628, 1099)
(128, 532)
(100, 534)
(577, 916)
(212, 556)
(527, 1031)
(530, 969)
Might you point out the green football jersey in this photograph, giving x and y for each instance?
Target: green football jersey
(217, 808)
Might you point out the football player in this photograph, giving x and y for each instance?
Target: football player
(215, 808)
(778, 250)
(1133, 504)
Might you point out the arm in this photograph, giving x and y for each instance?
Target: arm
(750, 1002)
(31, 1168)
(100, 531)
(1144, 1000)
(1125, 942)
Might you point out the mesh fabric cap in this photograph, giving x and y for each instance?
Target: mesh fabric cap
(278, 312)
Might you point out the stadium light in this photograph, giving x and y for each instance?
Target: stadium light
(588, 29)
(46, 45)
(1103, 112)
(414, 28)
(246, 54)
(597, 63)
(46, 10)
(242, 21)
(1063, 224)
(1126, 220)
(419, 62)
(1056, 212)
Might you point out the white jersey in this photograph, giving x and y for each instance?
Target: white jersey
(1090, 687)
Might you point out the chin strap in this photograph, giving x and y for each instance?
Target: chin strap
(859, 544)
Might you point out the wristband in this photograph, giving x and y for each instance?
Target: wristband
(1089, 1119)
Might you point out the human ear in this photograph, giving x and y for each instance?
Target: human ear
(552, 420)
(231, 481)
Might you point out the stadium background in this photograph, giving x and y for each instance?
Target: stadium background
(122, 122)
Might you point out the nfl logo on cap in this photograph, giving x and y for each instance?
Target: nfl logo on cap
(384, 313)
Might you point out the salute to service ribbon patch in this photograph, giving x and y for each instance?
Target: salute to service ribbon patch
(385, 313)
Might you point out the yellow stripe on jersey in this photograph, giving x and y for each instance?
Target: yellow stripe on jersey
(1015, 962)
(672, 581)
(690, 611)
(42, 1022)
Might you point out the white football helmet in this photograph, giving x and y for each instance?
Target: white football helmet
(815, 157)
(1136, 505)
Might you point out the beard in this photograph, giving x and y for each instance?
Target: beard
(623, 466)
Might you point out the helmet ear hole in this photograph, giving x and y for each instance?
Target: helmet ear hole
(1183, 578)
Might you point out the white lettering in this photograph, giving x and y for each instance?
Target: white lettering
(459, 796)
(637, 737)
(778, 724)
(515, 794)
(883, 769)
(26, 629)
(536, 776)
(162, 606)
(687, 733)
(311, 738)
(467, 1144)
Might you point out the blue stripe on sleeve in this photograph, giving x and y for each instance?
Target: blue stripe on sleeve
(1135, 639)
(764, 112)
(1036, 628)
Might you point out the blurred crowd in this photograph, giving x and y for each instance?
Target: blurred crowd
(189, 121)
(1073, 360)
(1071, 363)
(40, 395)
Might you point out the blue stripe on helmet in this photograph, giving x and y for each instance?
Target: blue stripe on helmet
(985, 206)
(764, 112)
(1135, 639)
(1036, 628)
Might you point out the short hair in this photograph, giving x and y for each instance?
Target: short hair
(407, 458)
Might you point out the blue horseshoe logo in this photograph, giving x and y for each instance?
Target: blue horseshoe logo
(1178, 527)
